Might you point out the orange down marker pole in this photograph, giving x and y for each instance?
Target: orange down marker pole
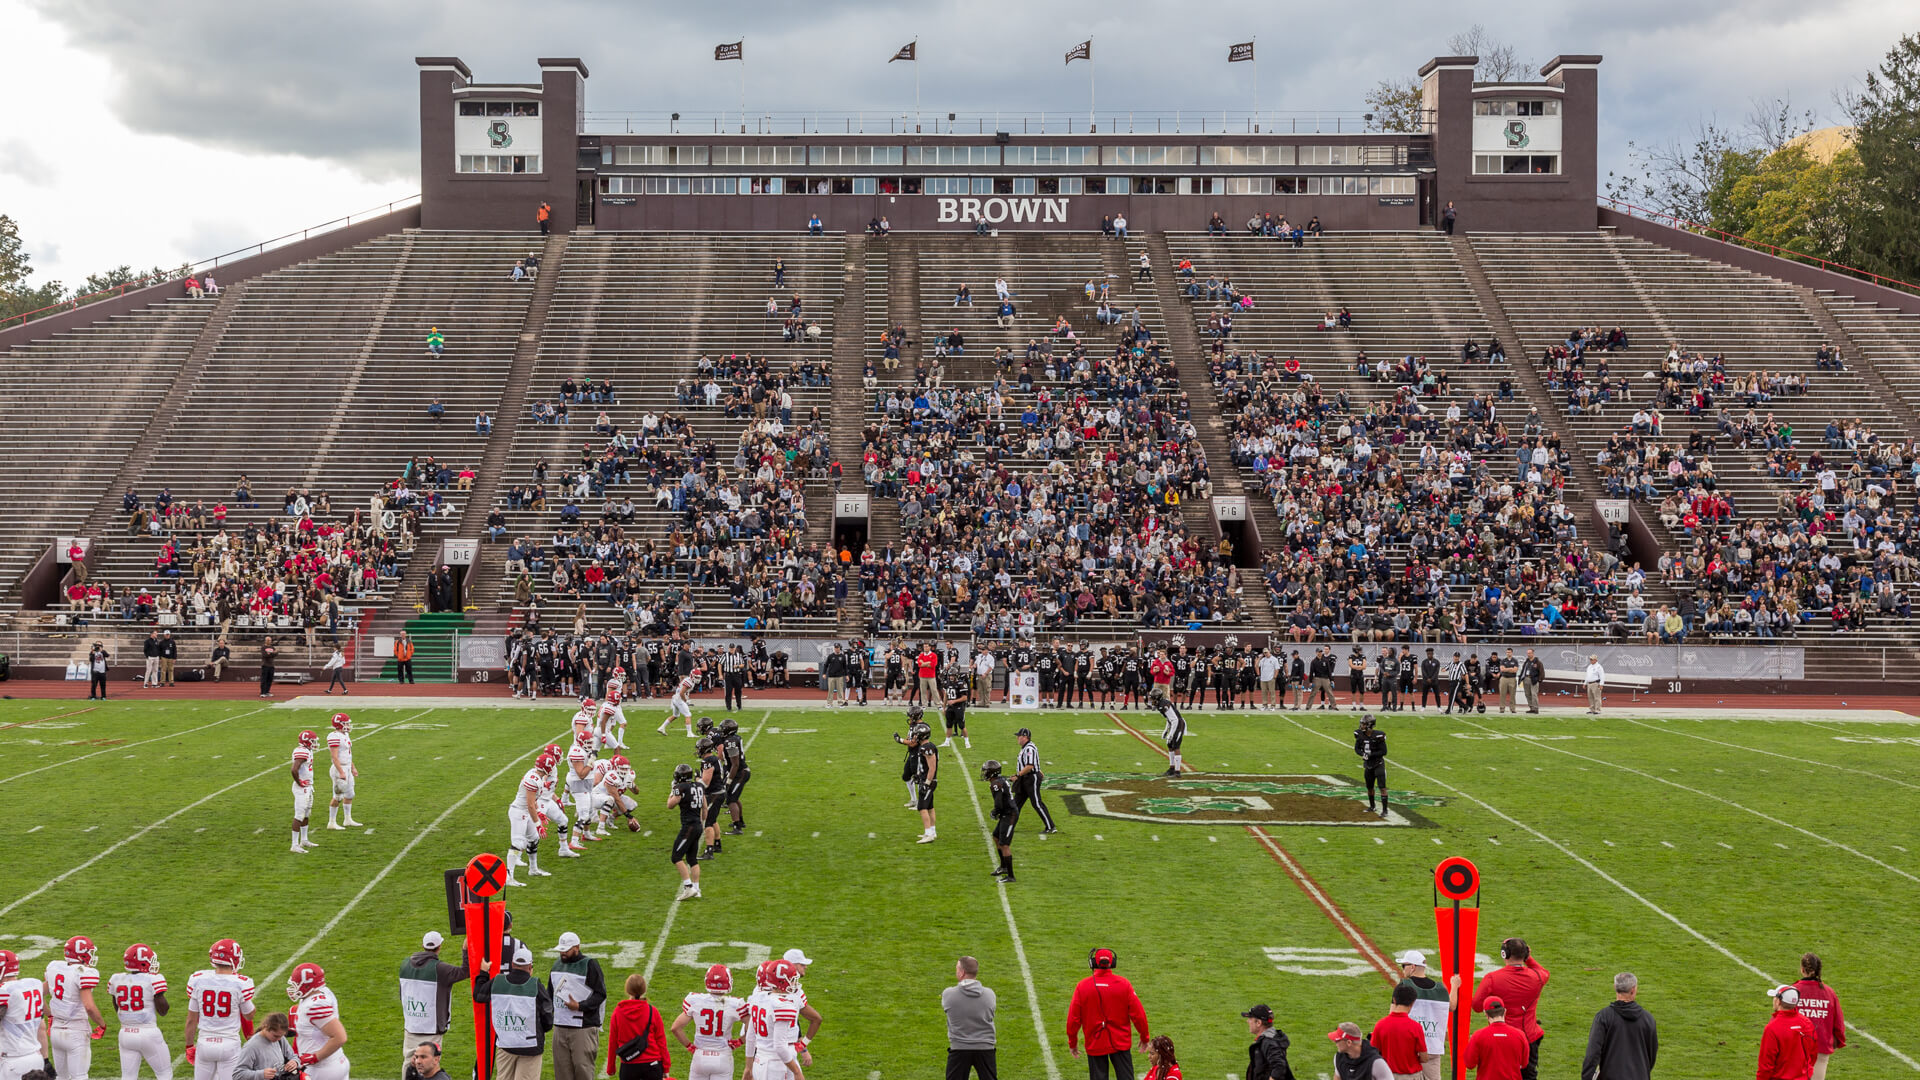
(1454, 881)
(486, 874)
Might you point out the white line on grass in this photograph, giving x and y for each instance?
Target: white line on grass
(1761, 814)
(1013, 928)
(1615, 882)
(1770, 753)
(673, 909)
(124, 746)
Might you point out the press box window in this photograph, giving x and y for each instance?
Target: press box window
(499, 108)
(1516, 164)
(499, 163)
(1547, 107)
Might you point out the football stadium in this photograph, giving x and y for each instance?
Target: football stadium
(939, 593)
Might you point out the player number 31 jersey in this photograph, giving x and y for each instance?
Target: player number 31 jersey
(713, 1018)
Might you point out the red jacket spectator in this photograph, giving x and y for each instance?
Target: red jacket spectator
(1105, 1007)
(1499, 1051)
(632, 1018)
(1401, 1040)
(1822, 1009)
(1519, 987)
(1162, 670)
(1787, 1047)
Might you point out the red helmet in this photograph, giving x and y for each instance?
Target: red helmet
(719, 979)
(586, 701)
(309, 740)
(546, 762)
(784, 977)
(618, 761)
(342, 722)
(305, 980)
(81, 950)
(553, 751)
(618, 670)
(9, 965)
(226, 952)
(582, 737)
(763, 975)
(140, 958)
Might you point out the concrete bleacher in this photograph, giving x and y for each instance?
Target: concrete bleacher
(1888, 339)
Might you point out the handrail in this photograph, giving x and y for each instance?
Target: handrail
(1722, 235)
(249, 251)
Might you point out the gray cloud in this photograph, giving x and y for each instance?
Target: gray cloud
(337, 81)
(18, 159)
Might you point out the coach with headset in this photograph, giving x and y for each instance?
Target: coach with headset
(1107, 1011)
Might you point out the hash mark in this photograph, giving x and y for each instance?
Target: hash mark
(1322, 839)
(1377, 840)
(816, 835)
(1723, 844)
(756, 832)
(201, 829)
(477, 832)
(1493, 841)
(1211, 839)
(1097, 836)
(1663, 843)
(1897, 847)
(649, 832)
(1609, 843)
(1780, 845)
(1155, 839)
(873, 836)
(1437, 841)
(259, 830)
(35, 829)
(90, 828)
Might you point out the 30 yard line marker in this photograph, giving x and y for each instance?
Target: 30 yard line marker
(1616, 883)
(1013, 929)
(126, 746)
(673, 909)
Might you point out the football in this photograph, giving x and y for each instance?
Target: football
(633, 824)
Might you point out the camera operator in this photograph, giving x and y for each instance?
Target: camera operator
(267, 1055)
(1370, 745)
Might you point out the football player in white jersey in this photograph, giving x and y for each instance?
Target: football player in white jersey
(712, 1015)
(612, 794)
(773, 1023)
(140, 999)
(343, 772)
(612, 721)
(581, 781)
(586, 721)
(219, 1003)
(72, 1017)
(680, 704)
(526, 825)
(317, 1032)
(549, 800)
(23, 1012)
(302, 774)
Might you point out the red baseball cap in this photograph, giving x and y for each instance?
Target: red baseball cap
(1494, 1003)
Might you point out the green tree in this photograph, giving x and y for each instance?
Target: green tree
(1793, 201)
(1396, 106)
(1884, 218)
(17, 294)
(1690, 179)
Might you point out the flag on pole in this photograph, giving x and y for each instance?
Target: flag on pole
(1242, 51)
(1082, 51)
(734, 51)
(905, 53)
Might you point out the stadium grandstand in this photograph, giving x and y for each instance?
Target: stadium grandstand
(993, 384)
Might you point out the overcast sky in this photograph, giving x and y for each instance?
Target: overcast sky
(148, 132)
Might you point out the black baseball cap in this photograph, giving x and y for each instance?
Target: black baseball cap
(1023, 731)
(1259, 1012)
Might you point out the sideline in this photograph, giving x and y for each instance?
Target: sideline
(1013, 928)
(1615, 882)
(143, 742)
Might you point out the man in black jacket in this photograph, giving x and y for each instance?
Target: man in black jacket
(520, 1008)
(1267, 1057)
(1532, 673)
(1624, 1041)
(1354, 1058)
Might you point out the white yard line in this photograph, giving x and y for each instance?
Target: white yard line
(1616, 883)
(1761, 814)
(673, 909)
(1013, 928)
(1770, 753)
(127, 746)
(124, 841)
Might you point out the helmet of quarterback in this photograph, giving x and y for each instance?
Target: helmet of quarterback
(226, 953)
(305, 980)
(81, 950)
(342, 722)
(719, 979)
(683, 772)
(989, 769)
(309, 740)
(140, 958)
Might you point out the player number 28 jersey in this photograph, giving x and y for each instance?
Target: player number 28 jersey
(713, 1018)
(220, 999)
(132, 993)
(26, 1003)
(65, 983)
(310, 1015)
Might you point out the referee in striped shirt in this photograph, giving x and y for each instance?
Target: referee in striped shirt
(1027, 778)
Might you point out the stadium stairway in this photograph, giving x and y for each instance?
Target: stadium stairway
(1880, 342)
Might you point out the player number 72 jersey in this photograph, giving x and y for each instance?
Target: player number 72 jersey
(713, 1018)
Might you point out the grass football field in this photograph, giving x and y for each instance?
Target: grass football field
(1705, 855)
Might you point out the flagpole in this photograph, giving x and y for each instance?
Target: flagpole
(1092, 123)
(743, 86)
(916, 85)
(1256, 85)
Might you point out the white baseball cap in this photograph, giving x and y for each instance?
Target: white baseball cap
(568, 940)
(432, 940)
(522, 956)
(795, 956)
(1787, 995)
(1413, 958)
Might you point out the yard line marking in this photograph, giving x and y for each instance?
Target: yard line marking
(1724, 844)
(1616, 883)
(1771, 753)
(90, 828)
(673, 909)
(35, 829)
(1663, 843)
(1762, 815)
(127, 746)
(1013, 928)
(43, 719)
(1314, 893)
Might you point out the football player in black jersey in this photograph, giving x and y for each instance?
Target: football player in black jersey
(690, 796)
(1044, 664)
(896, 675)
(713, 777)
(1083, 674)
(1109, 669)
(734, 757)
(926, 775)
(1005, 816)
(955, 712)
(914, 715)
(1131, 675)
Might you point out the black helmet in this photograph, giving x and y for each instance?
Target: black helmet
(728, 726)
(683, 772)
(989, 769)
(705, 725)
(704, 746)
(920, 731)
(914, 713)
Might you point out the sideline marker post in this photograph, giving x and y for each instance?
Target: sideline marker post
(1455, 881)
(486, 874)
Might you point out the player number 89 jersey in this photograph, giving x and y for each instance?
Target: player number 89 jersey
(221, 999)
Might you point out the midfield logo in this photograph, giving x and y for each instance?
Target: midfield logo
(1231, 799)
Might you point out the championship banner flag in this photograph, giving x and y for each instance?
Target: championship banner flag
(735, 51)
(905, 53)
(1082, 51)
(1242, 51)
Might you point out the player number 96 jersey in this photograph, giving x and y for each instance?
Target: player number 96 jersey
(311, 1014)
(713, 1018)
(775, 1019)
(65, 983)
(25, 1001)
(132, 993)
(221, 999)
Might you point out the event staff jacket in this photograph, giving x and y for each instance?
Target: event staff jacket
(1519, 988)
(1787, 1048)
(1107, 1011)
(1822, 1009)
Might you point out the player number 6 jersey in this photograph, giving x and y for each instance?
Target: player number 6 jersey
(132, 993)
(220, 999)
(713, 1018)
(65, 982)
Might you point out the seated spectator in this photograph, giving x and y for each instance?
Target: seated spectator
(1313, 226)
(209, 286)
(963, 296)
(193, 287)
(1216, 225)
(436, 411)
(482, 423)
(436, 341)
(520, 270)
(814, 227)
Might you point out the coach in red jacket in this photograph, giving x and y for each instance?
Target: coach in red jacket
(1107, 1011)
(1787, 1047)
(1499, 1051)
(1518, 986)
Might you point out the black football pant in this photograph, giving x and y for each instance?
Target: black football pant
(1062, 691)
(1026, 789)
(1121, 1061)
(735, 698)
(1084, 688)
(1377, 777)
(961, 1063)
(1431, 687)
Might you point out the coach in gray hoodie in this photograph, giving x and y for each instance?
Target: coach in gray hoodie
(969, 1007)
(1623, 1042)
